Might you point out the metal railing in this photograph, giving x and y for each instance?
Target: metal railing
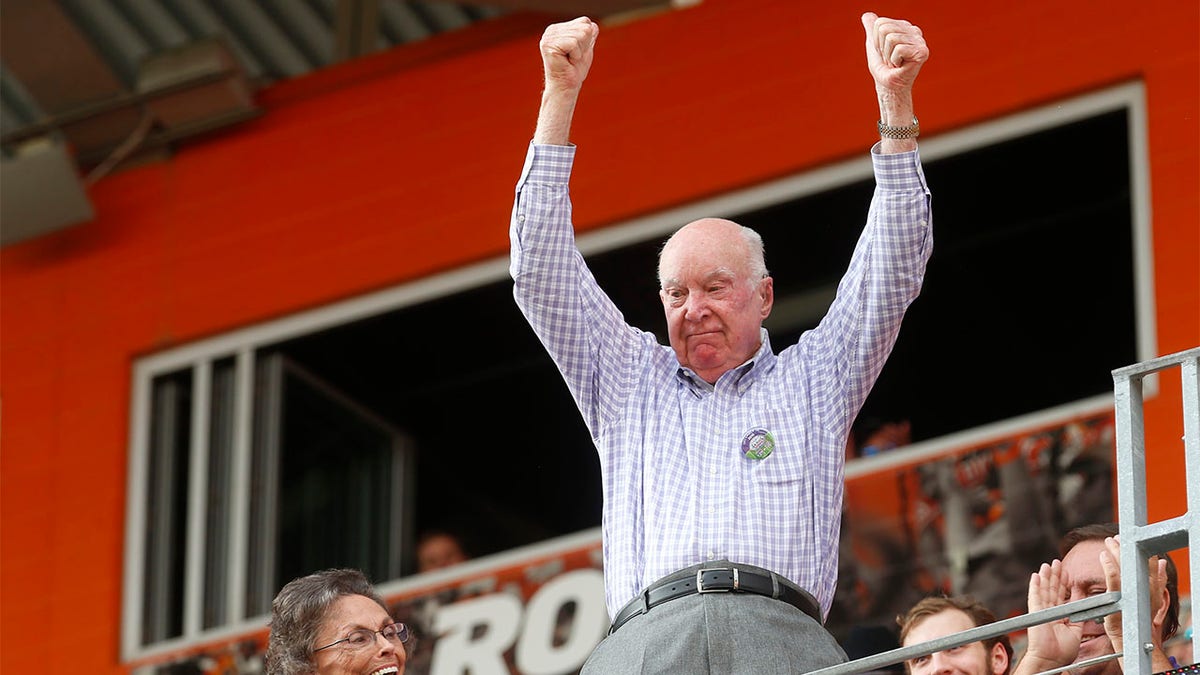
(1093, 607)
(1139, 539)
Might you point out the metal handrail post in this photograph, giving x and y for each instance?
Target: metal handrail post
(1190, 372)
(1140, 539)
(1131, 512)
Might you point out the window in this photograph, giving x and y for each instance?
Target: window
(167, 505)
(321, 481)
(340, 477)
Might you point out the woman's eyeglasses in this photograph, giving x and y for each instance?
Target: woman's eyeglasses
(395, 633)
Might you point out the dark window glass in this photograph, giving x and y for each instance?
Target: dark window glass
(166, 507)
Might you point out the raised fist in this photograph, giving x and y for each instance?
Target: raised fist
(567, 52)
(896, 50)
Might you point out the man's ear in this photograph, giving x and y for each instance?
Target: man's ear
(1161, 614)
(766, 288)
(1160, 599)
(999, 660)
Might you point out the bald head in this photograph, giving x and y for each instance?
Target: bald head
(715, 293)
(735, 242)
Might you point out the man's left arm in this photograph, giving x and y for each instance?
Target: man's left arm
(1160, 601)
(896, 50)
(849, 348)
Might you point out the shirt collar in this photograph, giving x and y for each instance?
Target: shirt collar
(740, 378)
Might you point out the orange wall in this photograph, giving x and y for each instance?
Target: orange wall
(403, 165)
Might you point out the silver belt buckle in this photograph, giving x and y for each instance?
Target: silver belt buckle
(700, 580)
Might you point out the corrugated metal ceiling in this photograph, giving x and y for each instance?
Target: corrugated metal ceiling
(271, 39)
(86, 85)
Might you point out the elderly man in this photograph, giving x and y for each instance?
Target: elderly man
(937, 617)
(1091, 565)
(721, 461)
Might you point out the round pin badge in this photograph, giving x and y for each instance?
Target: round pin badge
(758, 443)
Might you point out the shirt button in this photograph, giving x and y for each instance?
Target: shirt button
(712, 471)
(712, 555)
(521, 218)
(712, 510)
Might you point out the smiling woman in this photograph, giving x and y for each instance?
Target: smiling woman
(334, 623)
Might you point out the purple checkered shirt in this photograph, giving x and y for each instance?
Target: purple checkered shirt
(678, 486)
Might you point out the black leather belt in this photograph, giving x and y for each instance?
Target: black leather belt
(717, 580)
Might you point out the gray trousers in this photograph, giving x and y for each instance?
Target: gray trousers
(717, 633)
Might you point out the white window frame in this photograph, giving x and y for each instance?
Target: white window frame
(243, 344)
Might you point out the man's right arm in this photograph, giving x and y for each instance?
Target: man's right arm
(566, 58)
(1054, 644)
(583, 331)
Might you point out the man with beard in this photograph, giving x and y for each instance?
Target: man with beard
(937, 617)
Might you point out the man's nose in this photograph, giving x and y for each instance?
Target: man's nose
(695, 307)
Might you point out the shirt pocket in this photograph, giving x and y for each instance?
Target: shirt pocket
(781, 482)
(786, 461)
(780, 508)
(779, 498)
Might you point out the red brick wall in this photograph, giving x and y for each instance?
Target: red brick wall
(399, 166)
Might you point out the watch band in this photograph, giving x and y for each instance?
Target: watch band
(899, 133)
